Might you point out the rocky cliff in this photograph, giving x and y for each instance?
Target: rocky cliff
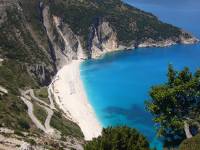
(89, 29)
(49, 34)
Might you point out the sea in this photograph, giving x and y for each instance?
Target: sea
(118, 84)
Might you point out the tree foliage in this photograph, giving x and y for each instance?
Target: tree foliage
(174, 102)
(118, 138)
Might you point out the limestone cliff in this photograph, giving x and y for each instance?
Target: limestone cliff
(102, 38)
(66, 44)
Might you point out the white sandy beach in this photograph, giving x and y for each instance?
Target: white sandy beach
(70, 95)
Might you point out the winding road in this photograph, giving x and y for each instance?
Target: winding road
(50, 112)
(32, 116)
(31, 93)
(52, 106)
(49, 109)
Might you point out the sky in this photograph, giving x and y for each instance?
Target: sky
(176, 4)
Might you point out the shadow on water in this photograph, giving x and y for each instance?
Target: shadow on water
(135, 114)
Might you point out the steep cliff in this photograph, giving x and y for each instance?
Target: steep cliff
(103, 26)
(44, 35)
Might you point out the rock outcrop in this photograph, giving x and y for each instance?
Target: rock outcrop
(3, 91)
(102, 39)
(50, 40)
(66, 44)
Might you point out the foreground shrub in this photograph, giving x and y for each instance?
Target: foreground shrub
(118, 138)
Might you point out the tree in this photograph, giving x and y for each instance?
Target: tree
(118, 138)
(171, 75)
(175, 104)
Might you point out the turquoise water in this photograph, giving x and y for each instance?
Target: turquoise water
(117, 85)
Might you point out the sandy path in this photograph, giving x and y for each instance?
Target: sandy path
(35, 98)
(52, 106)
(50, 112)
(32, 116)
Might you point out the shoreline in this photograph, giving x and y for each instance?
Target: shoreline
(69, 93)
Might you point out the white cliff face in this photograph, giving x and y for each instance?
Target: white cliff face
(184, 38)
(104, 40)
(49, 25)
(167, 42)
(108, 36)
(66, 44)
(153, 43)
(188, 40)
(72, 48)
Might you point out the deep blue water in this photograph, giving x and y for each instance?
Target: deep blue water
(117, 85)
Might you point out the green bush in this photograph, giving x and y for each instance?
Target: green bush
(191, 144)
(23, 123)
(18, 132)
(118, 138)
(66, 127)
(40, 113)
(31, 141)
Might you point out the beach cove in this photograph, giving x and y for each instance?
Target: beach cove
(112, 90)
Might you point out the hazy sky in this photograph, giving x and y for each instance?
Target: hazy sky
(176, 4)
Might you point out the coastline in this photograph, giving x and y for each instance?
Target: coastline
(69, 93)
